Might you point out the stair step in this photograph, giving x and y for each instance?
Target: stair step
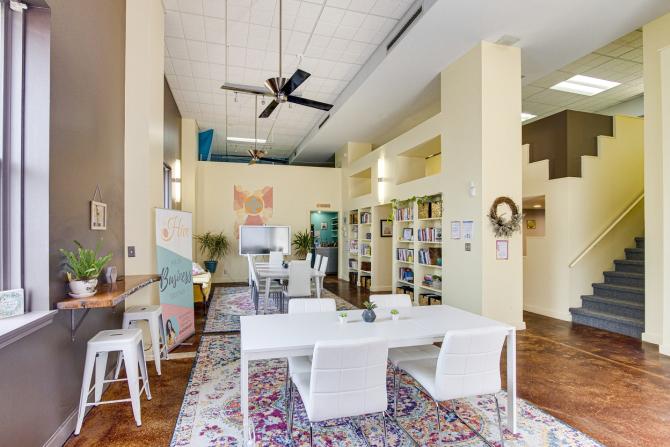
(639, 242)
(624, 278)
(619, 292)
(632, 327)
(624, 308)
(627, 265)
(635, 254)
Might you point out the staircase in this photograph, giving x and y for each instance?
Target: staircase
(617, 305)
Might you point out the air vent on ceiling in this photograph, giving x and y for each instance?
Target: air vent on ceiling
(404, 28)
(324, 121)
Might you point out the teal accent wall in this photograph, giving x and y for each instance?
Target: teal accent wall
(327, 236)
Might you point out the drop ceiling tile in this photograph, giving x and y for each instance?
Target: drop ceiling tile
(215, 30)
(325, 29)
(197, 50)
(217, 53)
(214, 8)
(217, 72)
(176, 48)
(237, 33)
(200, 69)
(186, 83)
(173, 26)
(182, 67)
(191, 6)
(171, 5)
(193, 26)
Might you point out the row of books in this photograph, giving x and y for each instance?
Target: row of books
(353, 264)
(366, 250)
(430, 256)
(353, 246)
(429, 234)
(353, 218)
(405, 254)
(404, 214)
(366, 217)
(406, 274)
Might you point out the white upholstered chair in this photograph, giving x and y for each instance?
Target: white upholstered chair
(299, 278)
(317, 262)
(322, 268)
(395, 301)
(308, 258)
(468, 365)
(325, 392)
(257, 287)
(276, 259)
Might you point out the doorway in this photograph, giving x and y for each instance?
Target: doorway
(324, 226)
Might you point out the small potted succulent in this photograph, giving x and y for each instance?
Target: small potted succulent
(395, 314)
(343, 317)
(84, 267)
(369, 313)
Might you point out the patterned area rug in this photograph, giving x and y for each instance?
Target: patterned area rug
(210, 414)
(228, 303)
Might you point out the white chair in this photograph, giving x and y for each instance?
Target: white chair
(276, 259)
(258, 287)
(392, 301)
(347, 380)
(303, 363)
(129, 342)
(299, 278)
(317, 262)
(322, 268)
(308, 258)
(468, 365)
(154, 316)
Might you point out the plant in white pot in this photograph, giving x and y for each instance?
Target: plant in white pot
(395, 314)
(84, 267)
(213, 246)
(343, 317)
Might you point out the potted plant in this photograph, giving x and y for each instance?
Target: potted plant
(343, 317)
(395, 314)
(369, 313)
(213, 246)
(303, 242)
(84, 267)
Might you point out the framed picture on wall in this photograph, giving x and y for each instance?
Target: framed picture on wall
(386, 228)
(98, 215)
(531, 224)
(324, 225)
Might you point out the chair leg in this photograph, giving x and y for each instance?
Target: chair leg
(311, 435)
(286, 386)
(439, 428)
(500, 427)
(164, 349)
(132, 363)
(154, 331)
(100, 372)
(470, 427)
(143, 369)
(383, 414)
(291, 410)
(85, 384)
(396, 383)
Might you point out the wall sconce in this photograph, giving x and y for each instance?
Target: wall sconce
(380, 180)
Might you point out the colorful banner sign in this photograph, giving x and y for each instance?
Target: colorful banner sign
(174, 245)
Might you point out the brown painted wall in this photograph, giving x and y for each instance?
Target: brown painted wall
(171, 131)
(41, 373)
(563, 138)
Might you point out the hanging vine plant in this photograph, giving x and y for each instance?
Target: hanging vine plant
(502, 226)
(420, 200)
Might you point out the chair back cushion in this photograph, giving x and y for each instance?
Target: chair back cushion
(348, 378)
(469, 363)
(276, 258)
(391, 301)
(299, 276)
(308, 258)
(324, 264)
(311, 305)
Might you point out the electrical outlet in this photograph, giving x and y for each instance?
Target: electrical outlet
(468, 246)
(131, 251)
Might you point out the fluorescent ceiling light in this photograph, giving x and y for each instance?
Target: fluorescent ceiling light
(245, 140)
(584, 85)
(527, 116)
(537, 205)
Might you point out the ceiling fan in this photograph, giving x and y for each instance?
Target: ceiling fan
(279, 88)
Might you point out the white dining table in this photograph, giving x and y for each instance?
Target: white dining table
(270, 273)
(296, 334)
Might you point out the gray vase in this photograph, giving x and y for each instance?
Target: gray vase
(369, 315)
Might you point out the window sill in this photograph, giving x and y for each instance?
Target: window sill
(15, 328)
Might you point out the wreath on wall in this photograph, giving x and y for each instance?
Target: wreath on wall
(503, 227)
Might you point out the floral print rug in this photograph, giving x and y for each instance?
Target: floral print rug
(228, 303)
(210, 414)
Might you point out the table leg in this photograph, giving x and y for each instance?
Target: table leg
(268, 283)
(511, 381)
(317, 284)
(244, 396)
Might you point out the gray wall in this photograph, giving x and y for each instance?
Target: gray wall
(41, 373)
(171, 132)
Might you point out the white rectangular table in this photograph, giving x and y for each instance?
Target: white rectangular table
(296, 334)
(269, 273)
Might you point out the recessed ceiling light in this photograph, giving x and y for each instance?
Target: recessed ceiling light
(584, 85)
(527, 116)
(537, 205)
(246, 140)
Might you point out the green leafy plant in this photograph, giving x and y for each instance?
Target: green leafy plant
(84, 263)
(214, 246)
(395, 312)
(369, 306)
(395, 203)
(303, 242)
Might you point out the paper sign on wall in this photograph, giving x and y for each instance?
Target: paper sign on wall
(467, 229)
(455, 229)
(174, 241)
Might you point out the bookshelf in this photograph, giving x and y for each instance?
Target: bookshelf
(418, 266)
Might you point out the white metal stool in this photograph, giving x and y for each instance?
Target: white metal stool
(129, 342)
(154, 315)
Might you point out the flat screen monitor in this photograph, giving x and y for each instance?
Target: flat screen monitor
(261, 240)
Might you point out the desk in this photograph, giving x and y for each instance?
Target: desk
(270, 273)
(296, 334)
(108, 295)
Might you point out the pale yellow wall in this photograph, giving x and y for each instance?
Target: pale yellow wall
(433, 165)
(656, 35)
(297, 191)
(189, 157)
(143, 138)
(577, 210)
(664, 347)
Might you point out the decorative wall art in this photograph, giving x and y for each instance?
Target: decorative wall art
(252, 208)
(98, 211)
(507, 222)
(531, 224)
(386, 228)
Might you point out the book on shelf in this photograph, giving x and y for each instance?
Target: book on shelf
(430, 256)
(404, 214)
(405, 254)
(366, 265)
(429, 234)
(366, 250)
(366, 217)
(353, 263)
(406, 274)
(353, 217)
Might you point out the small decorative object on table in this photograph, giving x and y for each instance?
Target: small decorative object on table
(110, 274)
(342, 317)
(369, 313)
(85, 267)
(11, 303)
(395, 314)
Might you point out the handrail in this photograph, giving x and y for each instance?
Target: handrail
(609, 228)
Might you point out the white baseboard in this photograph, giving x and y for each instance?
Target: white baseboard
(565, 316)
(651, 337)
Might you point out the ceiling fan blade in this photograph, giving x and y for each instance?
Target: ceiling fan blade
(309, 103)
(294, 81)
(246, 89)
(269, 109)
